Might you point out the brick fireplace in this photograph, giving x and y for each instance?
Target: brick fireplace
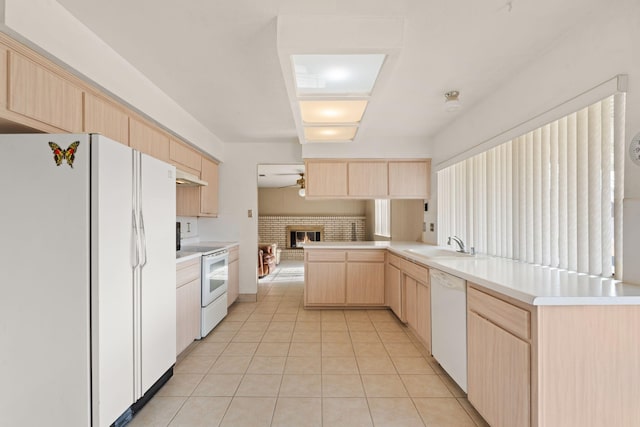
(273, 229)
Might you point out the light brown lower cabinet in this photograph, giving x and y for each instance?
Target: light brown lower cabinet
(499, 370)
(233, 285)
(423, 313)
(345, 278)
(552, 365)
(187, 303)
(417, 308)
(408, 294)
(325, 283)
(393, 291)
(410, 304)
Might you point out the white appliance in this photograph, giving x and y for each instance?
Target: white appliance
(215, 275)
(449, 324)
(87, 298)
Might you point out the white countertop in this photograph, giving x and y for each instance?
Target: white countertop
(532, 284)
(186, 253)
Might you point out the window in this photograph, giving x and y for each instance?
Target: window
(551, 197)
(383, 218)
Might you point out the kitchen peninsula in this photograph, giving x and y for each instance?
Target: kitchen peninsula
(545, 346)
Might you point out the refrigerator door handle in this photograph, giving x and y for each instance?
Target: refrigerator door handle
(143, 243)
(135, 257)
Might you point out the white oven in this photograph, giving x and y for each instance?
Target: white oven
(215, 274)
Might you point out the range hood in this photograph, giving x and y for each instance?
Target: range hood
(185, 179)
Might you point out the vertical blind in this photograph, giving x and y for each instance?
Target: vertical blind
(551, 197)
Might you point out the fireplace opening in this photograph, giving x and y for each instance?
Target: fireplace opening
(299, 235)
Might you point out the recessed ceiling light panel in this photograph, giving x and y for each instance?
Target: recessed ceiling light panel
(340, 75)
(330, 133)
(349, 111)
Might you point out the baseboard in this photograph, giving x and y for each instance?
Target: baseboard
(247, 298)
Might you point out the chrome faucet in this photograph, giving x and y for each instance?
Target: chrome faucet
(460, 243)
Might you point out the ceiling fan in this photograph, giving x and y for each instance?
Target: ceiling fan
(300, 182)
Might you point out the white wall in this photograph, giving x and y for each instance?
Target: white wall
(370, 146)
(592, 53)
(51, 29)
(286, 201)
(238, 194)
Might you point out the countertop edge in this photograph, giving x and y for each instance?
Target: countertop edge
(400, 249)
(188, 257)
(226, 245)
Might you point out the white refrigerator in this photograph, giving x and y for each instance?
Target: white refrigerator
(87, 279)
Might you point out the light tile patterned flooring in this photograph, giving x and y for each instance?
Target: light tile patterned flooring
(273, 363)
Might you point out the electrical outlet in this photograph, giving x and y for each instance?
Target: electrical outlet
(188, 227)
(432, 227)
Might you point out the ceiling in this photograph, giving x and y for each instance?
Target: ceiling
(219, 59)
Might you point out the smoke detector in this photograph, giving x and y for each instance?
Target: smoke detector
(452, 101)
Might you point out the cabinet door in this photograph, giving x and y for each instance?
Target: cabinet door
(409, 179)
(365, 283)
(184, 157)
(368, 179)
(187, 314)
(410, 303)
(326, 179)
(393, 292)
(104, 117)
(233, 287)
(209, 194)
(499, 372)
(325, 283)
(423, 314)
(148, 140)
(39, 93)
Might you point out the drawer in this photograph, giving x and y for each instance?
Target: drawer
(509, 317)
(187, 271)
(233, 254)
(325, 255)
(418, 272)
(394, 260)
(366, 255)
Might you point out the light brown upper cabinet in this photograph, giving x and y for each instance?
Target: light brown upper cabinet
(409, 179)
(39, 93)
(209, 194)
(184, 157)
(106, 118)
(326, 178)
(367, 179)
(200, 201)
(149, 140)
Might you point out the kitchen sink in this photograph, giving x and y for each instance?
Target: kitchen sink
(438, 252)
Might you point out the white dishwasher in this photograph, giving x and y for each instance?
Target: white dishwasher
(449, 324)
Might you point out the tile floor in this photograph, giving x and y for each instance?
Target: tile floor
(273, 363)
